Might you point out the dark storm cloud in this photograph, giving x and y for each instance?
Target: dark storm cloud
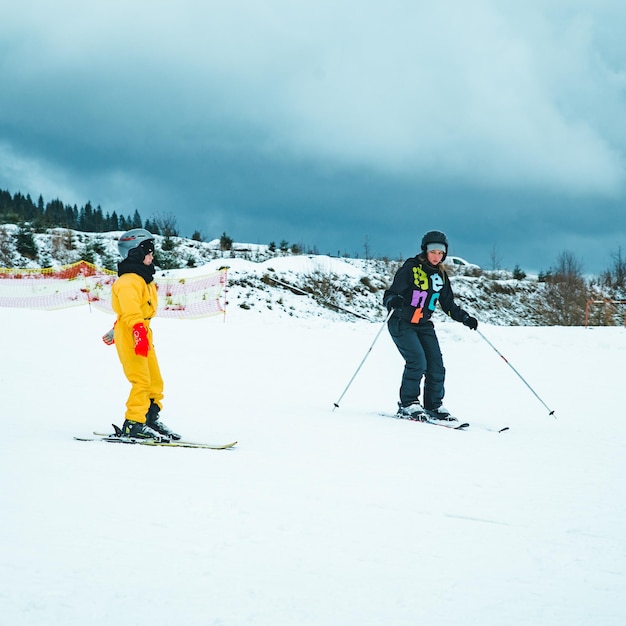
(327, 123)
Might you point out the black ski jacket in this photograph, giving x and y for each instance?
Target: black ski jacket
(422, 286)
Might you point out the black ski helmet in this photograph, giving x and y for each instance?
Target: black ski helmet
(435, 236)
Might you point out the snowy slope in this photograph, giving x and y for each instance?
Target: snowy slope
(317, 517)
(337, 283)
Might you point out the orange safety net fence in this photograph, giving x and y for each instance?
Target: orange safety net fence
(84, 283)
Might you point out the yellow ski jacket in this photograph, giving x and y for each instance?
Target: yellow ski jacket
(134, 300)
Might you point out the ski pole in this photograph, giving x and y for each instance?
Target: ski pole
(521, 377)
(380, 330)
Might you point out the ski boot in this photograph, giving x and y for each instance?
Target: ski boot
(413, 411)
(140, 430)
(441, 414)
(153, 422)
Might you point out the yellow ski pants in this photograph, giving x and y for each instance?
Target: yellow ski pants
(143, 374)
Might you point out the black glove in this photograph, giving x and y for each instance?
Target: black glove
(470, 322)
(394, 302)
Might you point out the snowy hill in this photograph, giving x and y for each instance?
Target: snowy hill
(303, 285)
(317, 517)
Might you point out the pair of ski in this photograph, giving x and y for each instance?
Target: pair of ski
(117, 437)
(453, 424)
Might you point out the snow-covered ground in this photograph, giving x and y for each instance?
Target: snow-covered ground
(317, 517)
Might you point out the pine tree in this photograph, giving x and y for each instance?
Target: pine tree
(114, 222)
(226, 242)
(137, 223)
(25, 242)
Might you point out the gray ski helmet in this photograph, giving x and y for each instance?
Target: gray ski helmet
(132, 239)
(435, 236)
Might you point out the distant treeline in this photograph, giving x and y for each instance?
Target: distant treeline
(20, 209)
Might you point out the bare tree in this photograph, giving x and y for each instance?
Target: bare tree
(495, 260)
(166, 225)
(566, 292)
(616, 275)
(367, 248)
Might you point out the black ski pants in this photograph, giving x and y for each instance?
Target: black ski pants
(419, 346)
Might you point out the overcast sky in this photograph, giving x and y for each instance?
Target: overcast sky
(329, 123)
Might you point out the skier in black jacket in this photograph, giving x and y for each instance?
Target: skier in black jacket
(416, 289)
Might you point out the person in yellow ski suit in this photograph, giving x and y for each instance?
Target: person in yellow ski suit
(135, 301)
